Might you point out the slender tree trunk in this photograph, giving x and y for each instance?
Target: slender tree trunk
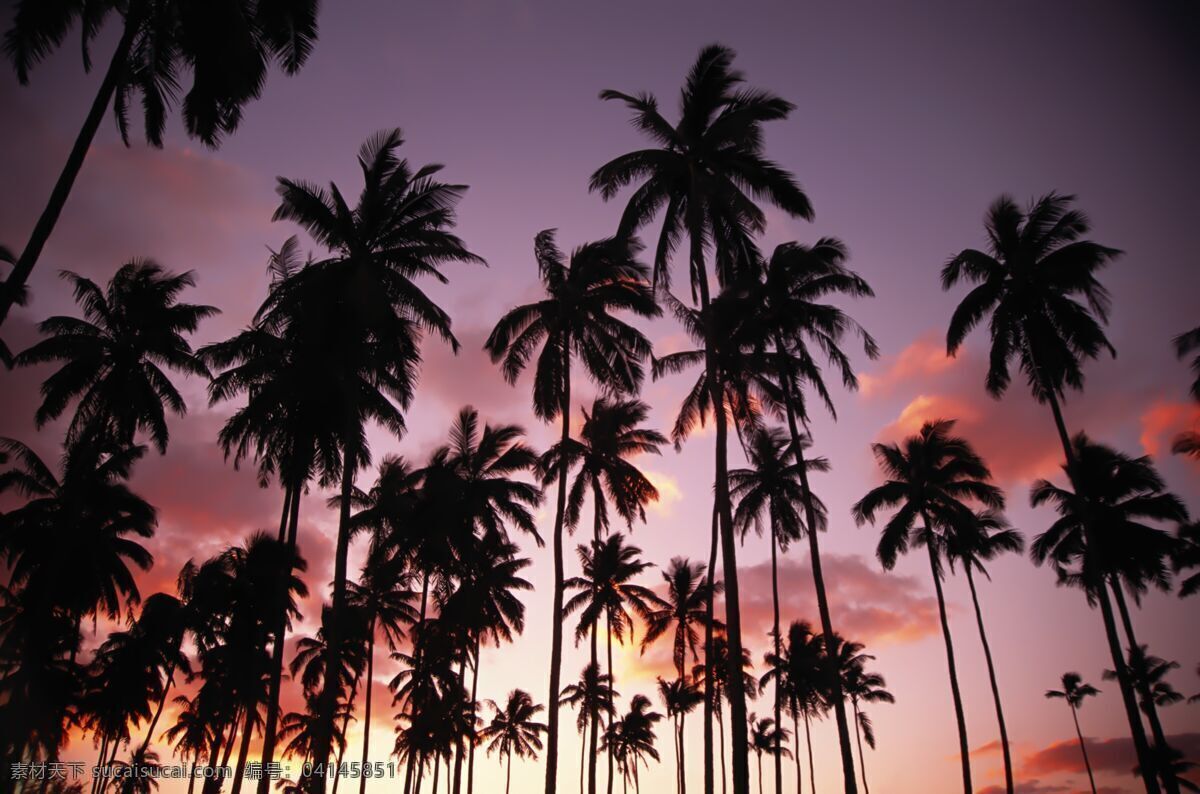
(721, 728)
(556, 617)
(1083, 748)
(437, 768)
(987, 655)
(162, 702)
(612, 683)
(192, 778)
(366, 753)
(775, 642)
(508, 774)
(337, 765)
(595, 716)
(709, 668)
(796, 755)
(963, 748)
(678, 759)
(99, 774)
(287, 533)
(862, 759)
(474, 707)
(408, 773)
(459, 750)
(682, 756)
(583, 750)
(243, 751)
(814, 553)
(760, 788)
(812, 769)
(66, 179)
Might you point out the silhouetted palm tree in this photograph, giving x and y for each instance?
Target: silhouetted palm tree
(631, 739)
(113, 358)
(575, 319)
(808, 686)
(1188, 442)
(977, 539)
(594, 696)
(859, 687)
(1038, 281)
(680, 697)
(706, 171)
(718, 664)
(361, 315)
(683, 609)
(1074, 690)
(1148, 673)
(513, 730)
(767, 737)
(18, 297)
(930, 476)
(191, 734)
(158, 40)
(1186, 555)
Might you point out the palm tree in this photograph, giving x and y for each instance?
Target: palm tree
(191, 734)
(770, 490)
(929, 477)
(860, 687)
(701, 171)
(1102, 540)
(606, 591)
(716, 663)
(594, 696)
(680, 697)
(113, 358)
(576, 318)
(1188, 443)
(1149, 679)
(1038, 280)
(360, 314)
(767, 737)
(1074, 690)
(1187, 556)
(683, 609)
(19, 297)
(808, 686)
(631, 739)
(978, 539)
(157, 42)
(513, 730)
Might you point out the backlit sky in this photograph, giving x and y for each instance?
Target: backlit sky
(909, 121)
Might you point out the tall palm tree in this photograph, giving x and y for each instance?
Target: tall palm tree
(1038, 281)
(157, 42)
(605, 590)
(770, 491)
(113, 359)
(931, 477)
(362, 315)
(513, 730)
(680, 697)
(575, 319)
(594, 696)
(706, 172)
(859, 687)
(766, 736)
(980, 538)
(1074, 690)
(716, 663)
(1103, 542)
(808, 687)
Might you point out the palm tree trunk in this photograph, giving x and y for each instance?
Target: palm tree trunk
(556, 616)
(412, 757)
(814, 553)
(366, 753)
(721, 728)
(437, 768)
(963, 748)
(291, 512)
(474, 707)
(812, 769)
(595, 716)
(987, 655)
(682, 757)
(508, 774)
(1149, 708)
(96, 778)
(192, 777)
(709, 669)
(678, 760)
(775, 641)
(611, 683)
(760, 788)
(337, 765)
(583, 750)
(796, 755)
(243, 751)
(66, 179)
(1082, 747)
(862, 759)
(1136, 730)
(459, 750)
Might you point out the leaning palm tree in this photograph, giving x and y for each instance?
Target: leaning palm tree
(767, 737)
(360, 314)
(157, 42)
(859, 687)
(680, 697)
(1038, 281)
(931, 477)
(770, 491)
(513, 730)
(1074, 690)
(113, 359)
(575, 320)
(706, 171)
(980, 538)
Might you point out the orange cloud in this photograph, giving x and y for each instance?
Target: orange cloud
(1111, 755)
(923, 358)
(1163, 420)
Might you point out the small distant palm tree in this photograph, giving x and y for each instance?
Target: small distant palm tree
(1073, 691)
(1149, 673)
(1188, 443)
(717, 663)
(767, 737)
(594, 697)
(513, 730)
(631, 739)
(680, 697)
(929, 476)
(859, 687)
(682, 610)
(113, 359)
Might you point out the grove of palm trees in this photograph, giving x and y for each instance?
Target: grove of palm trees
(469, 398)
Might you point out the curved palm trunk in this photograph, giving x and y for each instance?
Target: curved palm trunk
(862, 759)
(612, 683)
(287, 533)
(814, 553)
(963, 749)
(66, 179)
(987, 655)
(812, 769)
(362, 782)
(709, 687)
(1082, 747)
(556, 617)
(775, 640)
(337, 767)
(1136, 730)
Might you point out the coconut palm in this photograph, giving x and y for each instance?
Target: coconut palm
(1038, 281)
(157, 42)
(605, 590)
(191, 734)
(594, 696)
(631, 738)
(361, 315)
(859, 687)
(767, 737)
(113, 359)
(931, 477)
(681, 611)
(513, 730)
(680, 697)
(706, 172)
(977, 539)
(1149, 679)
(716, 662)
(808, 686)
(1073, 691)
(575, 320)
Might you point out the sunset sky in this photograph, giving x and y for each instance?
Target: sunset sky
(908, 124)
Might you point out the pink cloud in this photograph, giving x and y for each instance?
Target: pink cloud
(1106, 755)
(1163, 420)
(922, 358)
